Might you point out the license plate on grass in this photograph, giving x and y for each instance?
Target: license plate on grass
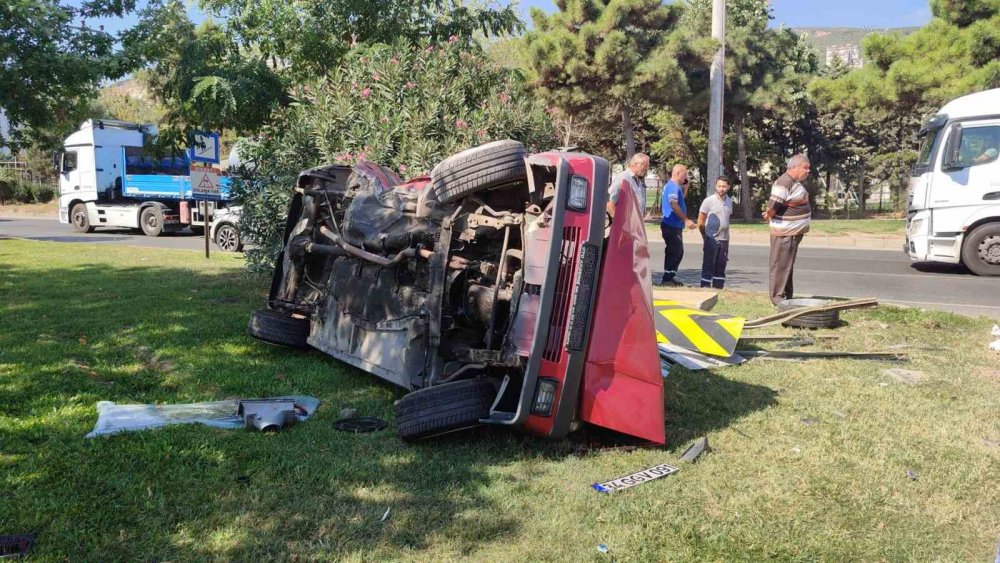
(634, 479)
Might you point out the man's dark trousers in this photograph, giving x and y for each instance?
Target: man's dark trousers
(713, 265)
(674, 251)
(783, 251)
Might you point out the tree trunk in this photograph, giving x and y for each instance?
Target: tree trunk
(746, 192)
(861, 192)
(567, 140)
(629, 133)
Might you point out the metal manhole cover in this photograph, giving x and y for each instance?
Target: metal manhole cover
(360, 424)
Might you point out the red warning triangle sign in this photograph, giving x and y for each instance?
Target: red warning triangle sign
(206, 184)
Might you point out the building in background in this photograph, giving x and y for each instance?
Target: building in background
(849, 54)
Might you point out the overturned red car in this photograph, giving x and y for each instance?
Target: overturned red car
(500, 290)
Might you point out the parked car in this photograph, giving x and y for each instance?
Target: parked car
(498, 290)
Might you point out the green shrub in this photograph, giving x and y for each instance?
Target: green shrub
(42, 193)
(404, 106)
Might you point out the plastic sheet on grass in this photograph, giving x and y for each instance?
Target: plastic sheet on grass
(113, 418)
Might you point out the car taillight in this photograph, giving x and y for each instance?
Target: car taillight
(577, 193)
(545, 395)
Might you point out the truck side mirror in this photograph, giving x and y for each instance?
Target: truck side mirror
(57, 160)
(952, 158)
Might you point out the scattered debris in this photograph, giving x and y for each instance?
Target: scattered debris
(690, 297)
(784, 316)
(634, 479)
(243, 480)
(811, 339)
(360, 425)
(808, 421)
(796, 451)
(113, 418)
(991, 443)
(693, 329)
(267, 415)
(839, 414)
(695, 450)
(911, 474)
(695, 361)
(16, 546)
(797, 355)
(822, 319)
(905, 375)
(386, 515)
(348, 412)
(602, 548)
(995, 345)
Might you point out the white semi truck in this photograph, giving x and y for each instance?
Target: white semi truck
(107, 179)
(953, 210)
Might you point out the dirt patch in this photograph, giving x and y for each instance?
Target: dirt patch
(993, 374)
(36, 210)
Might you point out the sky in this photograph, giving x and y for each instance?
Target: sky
(825, 13)
(791, 13)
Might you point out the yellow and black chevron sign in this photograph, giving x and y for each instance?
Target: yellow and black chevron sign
(693, 329)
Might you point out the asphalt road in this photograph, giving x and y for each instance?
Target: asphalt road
(889, 276)
(53, 231)
(886, 275)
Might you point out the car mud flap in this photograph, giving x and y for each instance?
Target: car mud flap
(622, 382)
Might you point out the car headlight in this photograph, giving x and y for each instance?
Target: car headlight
(577, 193)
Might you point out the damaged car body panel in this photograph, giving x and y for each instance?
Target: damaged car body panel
(479, 289)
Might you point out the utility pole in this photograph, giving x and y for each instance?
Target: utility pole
(718, 85)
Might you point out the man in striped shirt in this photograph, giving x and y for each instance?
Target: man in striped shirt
(788, 213)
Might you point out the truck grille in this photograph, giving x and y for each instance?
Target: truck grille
(564, 294)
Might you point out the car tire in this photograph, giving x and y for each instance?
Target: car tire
(981, 250)
(825, 319)
(227, 238)
(276, 327)
(151, 220)
(478, 169)
(444, 408)
(79, 219)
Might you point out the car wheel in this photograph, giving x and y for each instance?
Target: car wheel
(79, 219)
(275, 327)
(478, 169)
(444, 408)
(981, 250)
(227, 237)
(151, 221)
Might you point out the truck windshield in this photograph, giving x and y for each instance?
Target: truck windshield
(927, 147)
(138, 162)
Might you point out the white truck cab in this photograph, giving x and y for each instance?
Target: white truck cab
(953, 210)
(107, 180)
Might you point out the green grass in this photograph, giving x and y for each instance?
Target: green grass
(80, 323)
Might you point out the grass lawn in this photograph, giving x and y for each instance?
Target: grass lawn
(809, 459)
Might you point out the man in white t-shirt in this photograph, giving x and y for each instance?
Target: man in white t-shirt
(713, 222)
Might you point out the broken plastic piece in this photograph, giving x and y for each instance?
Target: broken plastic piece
(695, 450)
(15, 546)
(911, 474)
(386, 515)
(602, 548)
(360, 425)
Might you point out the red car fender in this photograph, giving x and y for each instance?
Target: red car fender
(622, 384)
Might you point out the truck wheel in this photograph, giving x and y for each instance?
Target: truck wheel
(443, 408)
(275, 327)
(79, 219)
(227, 237)
(478, 169)
(151, 220)
(981, 250)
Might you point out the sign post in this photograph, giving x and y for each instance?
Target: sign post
(205, 177)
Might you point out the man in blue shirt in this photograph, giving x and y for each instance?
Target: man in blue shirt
(675, 220)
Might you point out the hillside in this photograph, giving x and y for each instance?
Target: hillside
(822, 37)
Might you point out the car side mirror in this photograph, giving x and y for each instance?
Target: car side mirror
(952, 159)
